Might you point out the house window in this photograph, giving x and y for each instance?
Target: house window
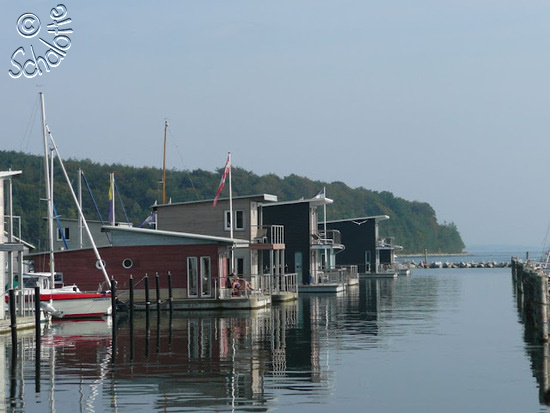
(240, 266)
(227, 220)
(205, 276)
(63, 234)
(192, 277)
(239, 220)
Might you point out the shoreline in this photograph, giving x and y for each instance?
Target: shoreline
(439, 254)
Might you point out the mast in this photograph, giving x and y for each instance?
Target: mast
(49, 189)
(80, 203)
(231, 215)
(112, 216)
(48, 134)
(164, 165)
(325, 225)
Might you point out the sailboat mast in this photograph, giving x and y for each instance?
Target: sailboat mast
(112, 203)
(49, 189)
(78, 207)
(80, 243)
(164, 166)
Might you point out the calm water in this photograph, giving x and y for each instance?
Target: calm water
(439, 340)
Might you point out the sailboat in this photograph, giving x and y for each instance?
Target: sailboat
(64, 301)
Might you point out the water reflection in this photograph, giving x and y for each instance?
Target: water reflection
(539, 353)
(274, 358)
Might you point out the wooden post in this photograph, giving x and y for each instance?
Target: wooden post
(37, 339)
(113, 317)
(170, 296)
(131, 285)
(37, 314)
(13, 317)
(157, 287)
(113, 299)
(147, 302)
(147, 308)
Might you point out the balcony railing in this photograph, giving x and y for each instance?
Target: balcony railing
(341, 274)
(328, 237)
(260, 284)
(269, 234)
(384, 242)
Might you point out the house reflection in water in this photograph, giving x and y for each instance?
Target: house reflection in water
(202, 360)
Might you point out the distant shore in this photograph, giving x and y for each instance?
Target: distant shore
(436, 254)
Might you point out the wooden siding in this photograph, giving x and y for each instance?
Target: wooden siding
(202, 218)
(79, 266)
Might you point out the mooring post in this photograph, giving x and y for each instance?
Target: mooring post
(157, 287)
(170, 297)
(37, 339)
(13, 317)
(131, 286)
(147, 302)
(131, 309)
(544, 307)
(37, 314)
(113, 299)
(113, 317)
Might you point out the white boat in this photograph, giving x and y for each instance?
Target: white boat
(68, 301)
(64, 301)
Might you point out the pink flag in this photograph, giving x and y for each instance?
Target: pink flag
(222, 182)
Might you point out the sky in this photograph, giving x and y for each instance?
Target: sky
(444, 102)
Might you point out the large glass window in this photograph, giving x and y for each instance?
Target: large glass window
(192, 277)
(205, 276)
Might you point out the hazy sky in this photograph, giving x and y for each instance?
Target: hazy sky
(444, 102)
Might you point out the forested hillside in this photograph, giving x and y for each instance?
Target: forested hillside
(413, 224)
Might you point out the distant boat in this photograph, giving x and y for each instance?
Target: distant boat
(64, 301)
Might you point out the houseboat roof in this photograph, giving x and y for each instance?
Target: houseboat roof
(361, 220)
(7, 174)
(257, 197)
(174, 234)
(315, 201)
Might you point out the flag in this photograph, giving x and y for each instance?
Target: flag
(111, 201)
(150, 220)
(321, 194)
(222, 182)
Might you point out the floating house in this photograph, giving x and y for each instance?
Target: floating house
(373, 255)
(310, 252)
(259, 258)
(191, 267)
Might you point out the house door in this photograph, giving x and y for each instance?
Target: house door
(199, 277)
(367, 261)
(298, 265)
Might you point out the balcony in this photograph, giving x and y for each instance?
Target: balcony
(385, 243)
(268, 234)
(329, 238)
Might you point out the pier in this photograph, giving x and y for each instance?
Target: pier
(462, 264)
(531, 287)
